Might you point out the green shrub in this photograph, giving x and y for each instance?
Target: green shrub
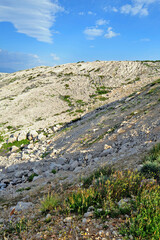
(145, 222)
(6, 146)
(50, 202)
(30, 178)
(53, 171)
(151, 170)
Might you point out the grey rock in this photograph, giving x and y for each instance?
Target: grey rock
(3, 185)
(106, 152)
(62, 161)
(74, 165)
(66, 167)
(55, 166)
(78, 169)
(12, 168)
(19, 174)
(88, 214)
(22, 206)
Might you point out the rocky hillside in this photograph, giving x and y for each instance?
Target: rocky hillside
(65, 122)
(46, 96)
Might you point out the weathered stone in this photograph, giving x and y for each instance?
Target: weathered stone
(22, 136)
(14, 149)
(22, 206)
(41, 137)
(106, 152)
(11, 139)
(88, 214)
(74, 165)
(62, 161)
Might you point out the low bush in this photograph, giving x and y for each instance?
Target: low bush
(50, 202)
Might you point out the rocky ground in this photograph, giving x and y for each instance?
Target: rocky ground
(118, 133)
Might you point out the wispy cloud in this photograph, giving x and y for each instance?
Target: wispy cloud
(110, 33)
(91, 13)
(138, 7)
(93, 32)
(55, 57)
(101, 22)
(18, 61)
(33, 18)
(145, 40)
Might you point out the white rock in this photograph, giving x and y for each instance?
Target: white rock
(22, 136)
(41, 137)
(11, 139)
(14, 149)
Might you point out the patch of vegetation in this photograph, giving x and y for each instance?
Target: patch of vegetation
(13, 80)
(50, 202)
(79, 111)
(104, 171)
(38, 119)
(66, 86)
(103, 98)
(80, 102)
(97, 70)
(151, 167)
(17, 227)
(102, 90)
(23, 189)
(67, 99)
(53, 171)
(6, 146)
(45, 154)
(30, 178)
(1, 137)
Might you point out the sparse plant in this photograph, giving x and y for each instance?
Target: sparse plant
(50, 202)
(30, 178)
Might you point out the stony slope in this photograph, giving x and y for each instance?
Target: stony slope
(46, 96)
(117, 133)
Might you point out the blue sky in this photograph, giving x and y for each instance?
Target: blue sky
(53, 32)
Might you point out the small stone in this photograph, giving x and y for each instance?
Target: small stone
(74, 165)
(114, 233)
(22, 136)
(14, 149)
(68, 219)
(101, 233)
(84, 221)
(88, 214)
(22, 206)
(107, 234)
(48, 216)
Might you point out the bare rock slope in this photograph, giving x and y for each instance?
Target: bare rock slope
(46, 96)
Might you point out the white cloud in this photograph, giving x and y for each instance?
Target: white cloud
(101, 22)
(33, 18)
(55, 57)
(93, 32)
(110, 33)
(145, 40)
(91, 13)
(81, 13)
(138, 7)
(110, 9)
(18, 61)
(134, 10)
